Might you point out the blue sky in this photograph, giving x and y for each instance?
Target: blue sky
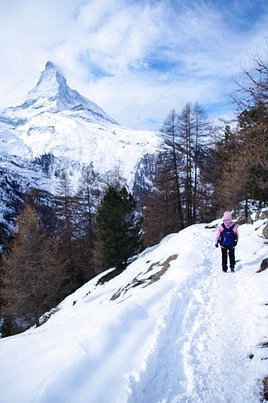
(137, 59)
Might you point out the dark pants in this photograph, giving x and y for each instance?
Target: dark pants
(224, 254)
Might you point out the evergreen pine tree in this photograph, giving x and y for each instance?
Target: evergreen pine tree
(119, 227)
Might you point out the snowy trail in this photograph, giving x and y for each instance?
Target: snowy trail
(166, 377)
(202, 354)
(218, 348)
(223, 335)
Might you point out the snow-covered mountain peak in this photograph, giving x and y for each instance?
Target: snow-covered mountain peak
(52, 94)
(51, 84)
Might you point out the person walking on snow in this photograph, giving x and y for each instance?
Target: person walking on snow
(227, 237)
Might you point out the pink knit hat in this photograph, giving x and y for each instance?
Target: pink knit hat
(227, 215)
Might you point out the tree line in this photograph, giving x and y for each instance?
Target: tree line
(62, 242)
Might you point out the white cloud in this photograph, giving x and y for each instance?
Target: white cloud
(136, 59)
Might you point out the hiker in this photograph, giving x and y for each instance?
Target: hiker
(227, 237)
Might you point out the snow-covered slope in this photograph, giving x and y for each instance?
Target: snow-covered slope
(78, 140)
(171, 328)
(10, 142)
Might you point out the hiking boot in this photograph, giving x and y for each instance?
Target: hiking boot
(232, 269)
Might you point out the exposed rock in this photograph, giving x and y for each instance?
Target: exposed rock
(263, 266)
(148, 280)
(263, 214)
(265, 231)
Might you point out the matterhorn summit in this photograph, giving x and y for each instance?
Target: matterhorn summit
(52, 86)
(52, 94)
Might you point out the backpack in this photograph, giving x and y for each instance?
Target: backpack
(228, 237)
